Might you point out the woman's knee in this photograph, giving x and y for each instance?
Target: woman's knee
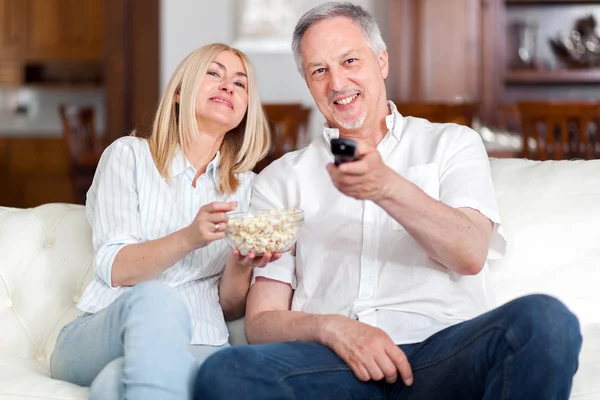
(156, 298)
(108, 385)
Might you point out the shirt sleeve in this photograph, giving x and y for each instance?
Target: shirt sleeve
(112, 207)
(466, 181)
(276, 187)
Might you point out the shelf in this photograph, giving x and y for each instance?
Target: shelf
(557, 77)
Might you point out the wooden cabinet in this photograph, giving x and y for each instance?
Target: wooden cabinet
(34, 171)
(443, 51)
(435, 49)
(11, 40)
(64, 30)
(34, 31)
(11, 28)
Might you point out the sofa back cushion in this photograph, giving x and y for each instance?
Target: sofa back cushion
(551, 219)
(45, 262)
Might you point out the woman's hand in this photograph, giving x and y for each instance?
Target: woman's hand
(251, 261)
(210, 223)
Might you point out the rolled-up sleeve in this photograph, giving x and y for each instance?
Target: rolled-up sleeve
(112, 207)
(466, 181)
(275, 187)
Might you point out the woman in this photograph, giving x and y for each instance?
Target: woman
(163, 278)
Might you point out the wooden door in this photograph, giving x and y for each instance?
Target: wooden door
(435, 50)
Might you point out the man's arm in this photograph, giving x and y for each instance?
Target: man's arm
(269, 304)
(368, 351)
(458, 238)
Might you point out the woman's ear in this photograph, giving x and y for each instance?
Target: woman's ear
(177, 98)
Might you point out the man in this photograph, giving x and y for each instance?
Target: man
(386, 295)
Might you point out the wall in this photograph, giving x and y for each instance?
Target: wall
(187, 24)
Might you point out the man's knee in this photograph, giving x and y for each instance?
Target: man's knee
(219, 375)
(551, 325)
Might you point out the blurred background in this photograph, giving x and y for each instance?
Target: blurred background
(77, 74)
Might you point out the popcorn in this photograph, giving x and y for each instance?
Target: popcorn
(267, 231)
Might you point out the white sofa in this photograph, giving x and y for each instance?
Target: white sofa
(551, 214)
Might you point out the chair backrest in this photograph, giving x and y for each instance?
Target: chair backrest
(559, 130)
(84, 146)
(289, 127)
(458, 113)
(79, 132)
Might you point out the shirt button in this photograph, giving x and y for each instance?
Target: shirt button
(75, 299)
(41, 358)
(9, 303)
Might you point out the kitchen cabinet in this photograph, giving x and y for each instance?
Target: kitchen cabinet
(34, 171)
(63, 30)
(11, 38)
(11, 28)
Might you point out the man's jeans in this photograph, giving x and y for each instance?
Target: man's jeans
(137, 348)
(526, 349)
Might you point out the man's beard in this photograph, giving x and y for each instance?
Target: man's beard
(357, 123)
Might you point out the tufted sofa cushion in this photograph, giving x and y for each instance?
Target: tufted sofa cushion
(45, 263)
(551, 220)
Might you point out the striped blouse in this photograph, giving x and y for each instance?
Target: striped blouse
(130, 202)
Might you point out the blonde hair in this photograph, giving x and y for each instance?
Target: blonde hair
(242, 147)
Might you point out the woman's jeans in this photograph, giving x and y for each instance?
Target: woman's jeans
(526, 349)
(137, 348)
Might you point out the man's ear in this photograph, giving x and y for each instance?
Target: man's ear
(384, 66)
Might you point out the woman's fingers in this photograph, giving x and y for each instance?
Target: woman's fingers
(220, 206)
(253, 261)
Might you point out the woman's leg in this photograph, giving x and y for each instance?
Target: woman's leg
(202, 352)
(149, 327)
(108, 385)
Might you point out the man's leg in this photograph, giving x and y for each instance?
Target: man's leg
(525, 349)
(289, 370)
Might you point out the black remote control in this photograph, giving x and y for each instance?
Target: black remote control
(344, 150)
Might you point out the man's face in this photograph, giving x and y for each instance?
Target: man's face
(344, 77)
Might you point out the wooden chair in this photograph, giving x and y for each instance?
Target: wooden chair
(458, 113)
(289, 130)
(84, 147)
(560, 130)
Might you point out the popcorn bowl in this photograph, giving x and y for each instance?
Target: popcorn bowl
(266, 231)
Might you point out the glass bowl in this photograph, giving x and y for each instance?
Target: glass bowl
(266, 231)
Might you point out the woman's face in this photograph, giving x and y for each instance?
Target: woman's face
(223, 94)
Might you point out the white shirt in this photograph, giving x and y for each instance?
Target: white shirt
(130, 202)
(353, 259)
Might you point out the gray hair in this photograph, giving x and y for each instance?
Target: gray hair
(357, 14)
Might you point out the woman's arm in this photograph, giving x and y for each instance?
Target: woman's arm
(136, 263)
(235, 282)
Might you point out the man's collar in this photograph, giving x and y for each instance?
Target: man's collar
(180, 164)
(393, 123)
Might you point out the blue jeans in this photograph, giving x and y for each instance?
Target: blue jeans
(526, 349)
(137, 348)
